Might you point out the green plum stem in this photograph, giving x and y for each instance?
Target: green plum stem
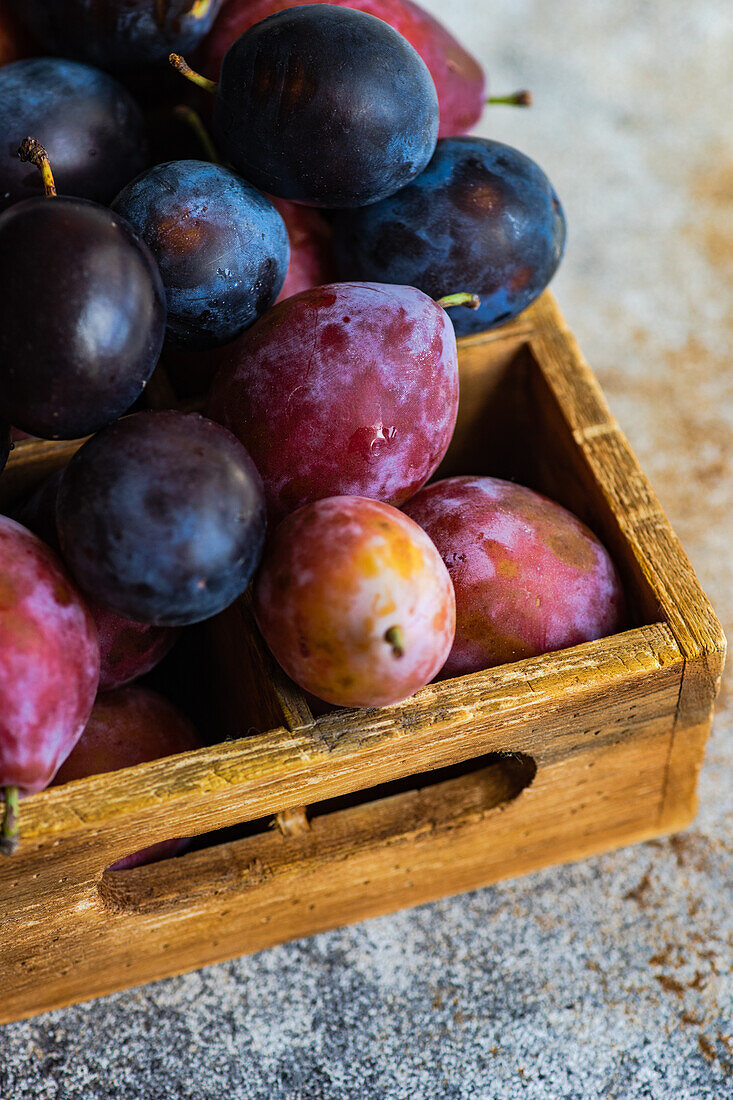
(193, 120)
(396, 639)
(182, 66)
(522, 98)
(32, 152)
(9, 829)
(471, 301)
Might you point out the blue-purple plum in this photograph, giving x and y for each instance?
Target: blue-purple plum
(90, 126)
(482, 218)
(221, 246)
(127, 649)
(117, 33)
(459, 79)
(327, 106)
(161, 517)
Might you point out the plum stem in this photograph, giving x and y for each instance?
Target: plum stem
(9, 830)
(32, 152)
(396, 639)
(522, 98)
(182, 66)
(471, 301)
(193, 120)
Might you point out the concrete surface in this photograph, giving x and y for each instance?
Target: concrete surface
(611, 978)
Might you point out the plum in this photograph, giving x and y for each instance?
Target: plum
(482, 217)
(458, 77)
(311, 252)
(127, 649)
(325, 105)
(89, 124)
(355, 602)
(345, 389)
(117, 33)
(15, 43)
(82, 314)
(127, 727)
(161, 517)
(221, 246)
(49, 666)
(529, 577)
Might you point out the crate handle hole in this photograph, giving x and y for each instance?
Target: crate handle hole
(481, 784)
(257, 851)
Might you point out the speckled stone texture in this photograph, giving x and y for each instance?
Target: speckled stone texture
(609, 979)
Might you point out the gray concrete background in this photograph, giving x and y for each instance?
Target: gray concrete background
(610, 978)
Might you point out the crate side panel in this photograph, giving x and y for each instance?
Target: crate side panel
(492, 432)
(351, 865)
(608, 461)
(546, 705)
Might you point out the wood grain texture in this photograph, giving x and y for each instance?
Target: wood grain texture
(358, 863)
(574, 752)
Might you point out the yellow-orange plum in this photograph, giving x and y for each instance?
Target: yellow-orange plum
(355, 602)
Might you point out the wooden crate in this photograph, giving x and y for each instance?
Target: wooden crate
(472, 780)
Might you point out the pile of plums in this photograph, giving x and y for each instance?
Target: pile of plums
(310, 265)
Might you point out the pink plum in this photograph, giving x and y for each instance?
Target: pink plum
(128, 649)
(355, 602)
(311, 254)
(529, 577)
(345, 389)
(49, 664)
(459, 79)
(131, 726)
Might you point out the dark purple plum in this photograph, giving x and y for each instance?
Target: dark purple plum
(348, 389)
(127, 649)
(89, 124)
(117, 33)
(482, 218)
(161, 517)
(221, 246)
(128, 727)
(6, 442)
(327, 106)
(459, 79)
(82, 316)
